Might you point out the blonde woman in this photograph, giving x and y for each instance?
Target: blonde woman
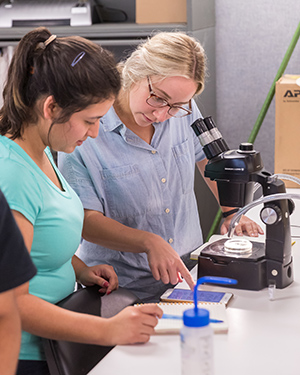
(136, 179)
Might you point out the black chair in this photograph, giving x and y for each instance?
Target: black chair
(69, 358)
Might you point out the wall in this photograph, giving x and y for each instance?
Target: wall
(252, 38)
(6, 54)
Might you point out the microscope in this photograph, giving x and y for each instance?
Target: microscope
(255, 265)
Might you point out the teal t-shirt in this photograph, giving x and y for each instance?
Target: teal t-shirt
(57, 218)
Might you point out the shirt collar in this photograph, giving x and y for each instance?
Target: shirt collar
(111, 121)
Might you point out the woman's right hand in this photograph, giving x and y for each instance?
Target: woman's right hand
(165, 264)
(134, 324)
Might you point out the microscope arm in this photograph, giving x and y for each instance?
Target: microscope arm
(265, 199)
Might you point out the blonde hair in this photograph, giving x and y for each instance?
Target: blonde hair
(166, 54)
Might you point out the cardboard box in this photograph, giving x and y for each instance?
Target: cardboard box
(160, 11)
(287, 127)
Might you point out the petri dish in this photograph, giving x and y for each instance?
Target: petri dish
(238, 246)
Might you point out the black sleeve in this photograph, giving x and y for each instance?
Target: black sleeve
(16, 266)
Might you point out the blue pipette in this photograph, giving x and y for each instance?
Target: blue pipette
(210, 280)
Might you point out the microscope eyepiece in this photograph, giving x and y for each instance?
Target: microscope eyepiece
(210, 138)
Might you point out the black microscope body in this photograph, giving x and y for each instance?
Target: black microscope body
(236, 172)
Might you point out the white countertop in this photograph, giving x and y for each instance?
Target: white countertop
(263, 336)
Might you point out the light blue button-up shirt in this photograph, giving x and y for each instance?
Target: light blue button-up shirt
(147, 187)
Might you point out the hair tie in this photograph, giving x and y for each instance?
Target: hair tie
(49, 40)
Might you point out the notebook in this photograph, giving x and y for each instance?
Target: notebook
(173, 326)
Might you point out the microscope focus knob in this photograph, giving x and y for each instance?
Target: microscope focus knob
(270, 214)
(291, 206)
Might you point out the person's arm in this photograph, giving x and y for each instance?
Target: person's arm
(10, 333)
(41, 318)
(164, 262)
(246, 225)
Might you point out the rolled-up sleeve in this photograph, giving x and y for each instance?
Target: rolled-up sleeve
(80, 178)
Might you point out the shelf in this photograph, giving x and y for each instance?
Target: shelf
(126, 32)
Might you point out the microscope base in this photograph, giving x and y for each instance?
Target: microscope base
(251, 274)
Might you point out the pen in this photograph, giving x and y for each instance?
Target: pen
(178, 317)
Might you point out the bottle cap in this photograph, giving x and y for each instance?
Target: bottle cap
(196, 318)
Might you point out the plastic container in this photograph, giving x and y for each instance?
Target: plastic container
(197, 335)
(196, 343)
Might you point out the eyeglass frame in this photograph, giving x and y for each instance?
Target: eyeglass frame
(152, 94)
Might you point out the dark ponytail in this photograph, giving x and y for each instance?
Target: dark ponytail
(38, 70)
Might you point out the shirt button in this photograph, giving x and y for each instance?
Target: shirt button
(153, 152)
(170, 240)
(167, 210)
(163, 180)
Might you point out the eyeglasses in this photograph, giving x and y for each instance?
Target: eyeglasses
(158, 102)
